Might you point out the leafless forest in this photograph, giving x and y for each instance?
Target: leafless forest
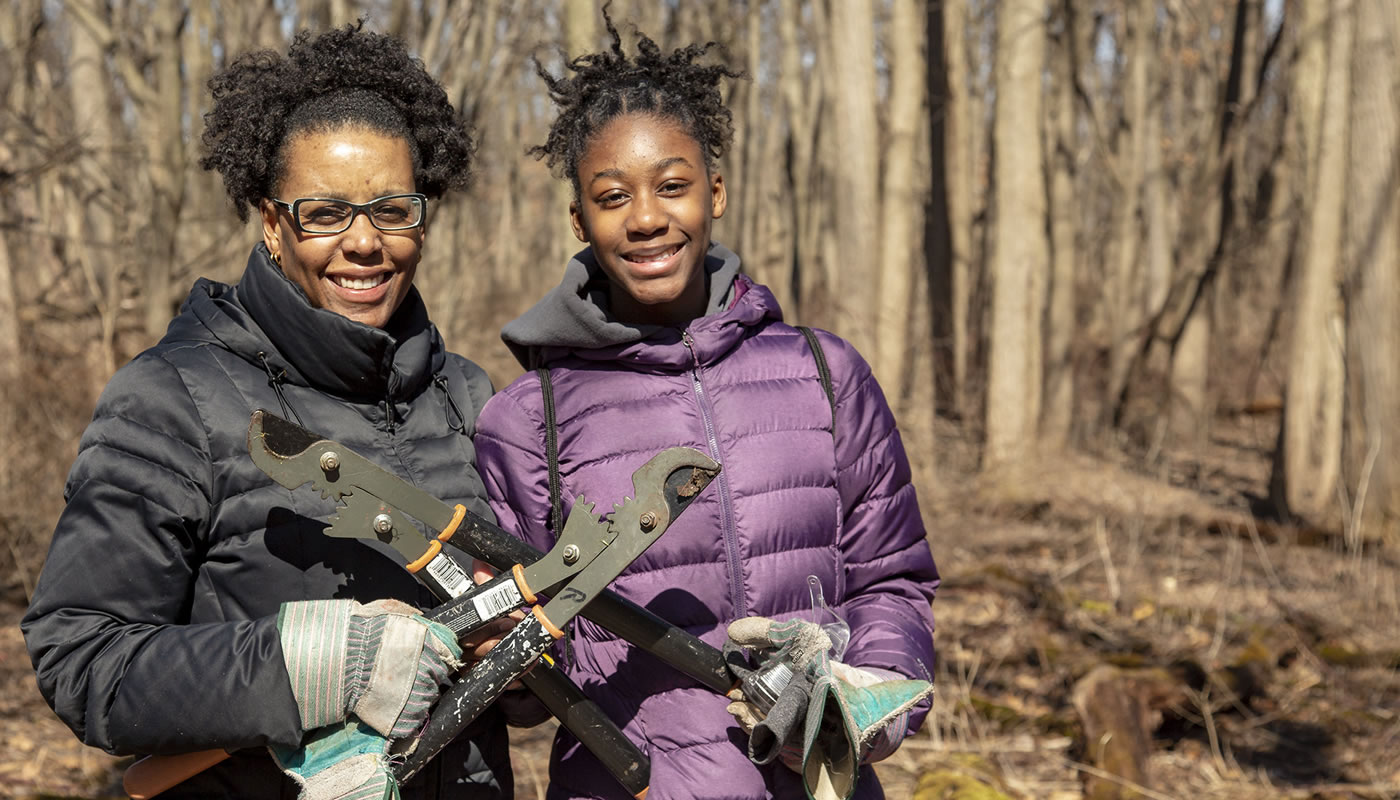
(1128, 271)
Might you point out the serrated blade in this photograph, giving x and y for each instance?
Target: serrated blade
(364, 516)
(662, 489)
(585, 535)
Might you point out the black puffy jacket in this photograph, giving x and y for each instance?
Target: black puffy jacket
(153, 625)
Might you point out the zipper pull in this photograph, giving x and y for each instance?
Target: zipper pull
(690, 345)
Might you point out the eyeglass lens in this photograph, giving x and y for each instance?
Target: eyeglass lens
(396, 212)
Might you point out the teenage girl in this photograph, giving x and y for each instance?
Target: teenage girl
(655, 339)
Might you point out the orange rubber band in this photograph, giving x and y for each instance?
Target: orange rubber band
(434, 547)
(548, 626)
(458, 514)
(519, 573)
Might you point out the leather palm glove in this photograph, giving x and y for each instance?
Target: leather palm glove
(364, 678)
(851, 715)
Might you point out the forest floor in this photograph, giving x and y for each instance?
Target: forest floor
(1264, 659)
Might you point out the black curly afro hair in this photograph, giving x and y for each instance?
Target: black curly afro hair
(345, 76)
(609, 84)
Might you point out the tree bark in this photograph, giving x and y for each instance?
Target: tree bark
(941, 236)
(1309, 456)
(1372, 449)
(1019, 249)
(1124, 299)
(581, 33)
(95, 172)
(851, 45)
(902, 203)
(795, 88)
(1061, 130)
(165, 155)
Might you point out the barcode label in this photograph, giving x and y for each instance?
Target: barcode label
(494, 602)
(451, 576)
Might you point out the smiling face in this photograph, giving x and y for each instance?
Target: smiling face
(362, 273)
(646, 205)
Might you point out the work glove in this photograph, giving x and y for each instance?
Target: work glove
(770, 700)
(364, 678)
(851, 715)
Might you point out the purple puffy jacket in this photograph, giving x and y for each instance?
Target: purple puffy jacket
(791, 501)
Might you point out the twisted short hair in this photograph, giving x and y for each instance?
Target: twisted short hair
(609, 84)
(341, 77)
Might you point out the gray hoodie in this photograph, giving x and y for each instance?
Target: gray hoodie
(577, 314)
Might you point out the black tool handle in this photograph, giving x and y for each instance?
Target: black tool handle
(681, 650)
(579, 715)
(479, 688)
(589, 724)
(480, 604)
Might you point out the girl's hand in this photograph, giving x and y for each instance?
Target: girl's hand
(482, 641)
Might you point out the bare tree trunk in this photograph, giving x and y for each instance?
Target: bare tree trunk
(851, 45)
(902, 204)
(1309, 456)
(10, 341)
(1158, 258)
(1189, 401)
(581, 32)
(1124, 293)
(1061, 131)
(795, 88)
(95, 174)
(938, 229)
(1373, 288)
(1019, 248)
(748, 152)
(959, 170)
(165, 153)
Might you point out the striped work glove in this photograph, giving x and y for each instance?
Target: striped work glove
(364, 678)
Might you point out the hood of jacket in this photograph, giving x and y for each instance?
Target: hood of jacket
(575, 318)
(267, 317)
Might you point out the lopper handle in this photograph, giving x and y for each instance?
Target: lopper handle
(152, 775)
(479, 688)
(589, 724)
(641, 627)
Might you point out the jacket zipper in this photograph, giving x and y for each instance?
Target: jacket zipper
(731, 536)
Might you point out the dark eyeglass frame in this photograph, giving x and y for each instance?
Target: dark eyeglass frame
(356, 209)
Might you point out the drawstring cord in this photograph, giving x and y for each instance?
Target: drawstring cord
(275, 380)
(460, 423)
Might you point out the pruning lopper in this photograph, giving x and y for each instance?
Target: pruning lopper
(589, 554)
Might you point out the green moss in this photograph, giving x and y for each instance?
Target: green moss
(1056, 725)
(1255, 652)
(1126, 660)
(1004, 716)
(948, 785)
(1099, 607)
(1342, 655)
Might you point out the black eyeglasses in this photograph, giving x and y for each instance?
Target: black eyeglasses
(325, 215)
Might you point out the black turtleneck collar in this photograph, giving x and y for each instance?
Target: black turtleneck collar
(325, 350)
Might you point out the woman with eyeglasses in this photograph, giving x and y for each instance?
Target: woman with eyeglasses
(188, 602)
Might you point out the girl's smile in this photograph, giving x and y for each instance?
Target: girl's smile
(646, 205)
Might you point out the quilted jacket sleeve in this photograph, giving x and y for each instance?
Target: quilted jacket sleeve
(107, 626)
(890, 573)
(510, 456)
(511, 459)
